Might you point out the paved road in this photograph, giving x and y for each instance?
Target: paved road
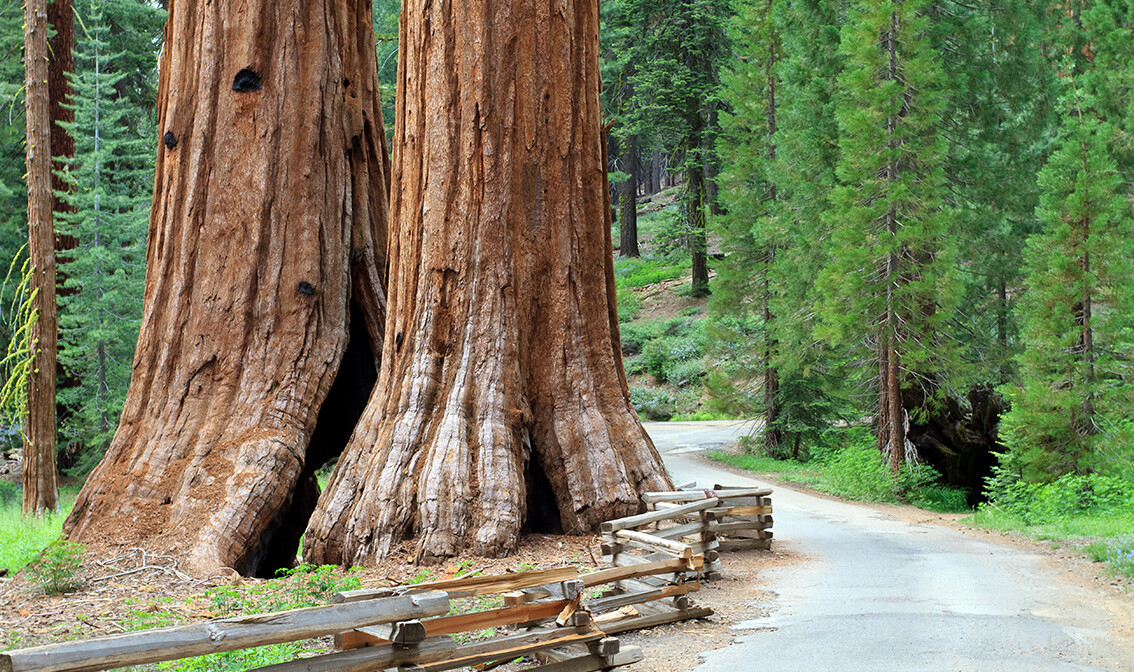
(881, 595)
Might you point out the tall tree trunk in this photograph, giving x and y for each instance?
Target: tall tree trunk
(61, 16)
(267, 237)
(41, 492)
(772, 434)
(655, 172)
(502, 401)
(695, 221)
(628, 205)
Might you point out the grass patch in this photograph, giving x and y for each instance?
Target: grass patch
(641, 271)
(1101, 537)
(857, 473)
(23, 539)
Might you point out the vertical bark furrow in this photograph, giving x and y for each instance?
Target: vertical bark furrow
(250, 272)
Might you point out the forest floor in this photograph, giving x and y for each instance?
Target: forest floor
(124, 590)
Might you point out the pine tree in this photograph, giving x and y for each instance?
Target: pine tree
(751, 231)
(889, 281)
(1076, 370)
(683, 43)
(1000, 122)
(110, 180)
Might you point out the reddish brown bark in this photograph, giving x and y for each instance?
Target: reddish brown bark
(269, 220)
(39, 473)
(501, 386)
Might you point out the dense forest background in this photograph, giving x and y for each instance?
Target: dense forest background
(914, 220)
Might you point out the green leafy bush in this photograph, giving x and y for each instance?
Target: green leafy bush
(303, 586)
(10, 493)
(57, 570)
(859, 473)
(1069, 495)
(653, 403)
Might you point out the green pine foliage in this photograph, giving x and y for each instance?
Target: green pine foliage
(890, 280)
(675, 82)
(110, 180)
(1077, 390)
(999, 122)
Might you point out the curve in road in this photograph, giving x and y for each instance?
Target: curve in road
(879, 593)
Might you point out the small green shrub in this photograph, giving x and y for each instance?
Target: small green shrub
(1120, 556)
(629, 305)
(237, 661)
(303, 586)
(57, 570)
(1069, 495)
(652, 403)
(859, 473)
(10, 493)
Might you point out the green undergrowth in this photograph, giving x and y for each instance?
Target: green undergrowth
(23, 539)
(1088, 513)
(852, 470)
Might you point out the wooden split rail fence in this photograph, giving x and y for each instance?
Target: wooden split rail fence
(692, 521)
(564, 619)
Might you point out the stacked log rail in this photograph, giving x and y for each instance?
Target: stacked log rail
(558, 616)
(562, 617)
(692, 521)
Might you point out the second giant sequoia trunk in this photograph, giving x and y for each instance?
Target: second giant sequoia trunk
(502, 400)
(267, 238)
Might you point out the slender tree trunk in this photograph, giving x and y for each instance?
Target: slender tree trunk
(502, 401)
(895, 411)
(772, 434)
(883, 354)
(267, 237)
(628, 207)
(695, 221)
(655, 172)
(41, 492)
(61, 16)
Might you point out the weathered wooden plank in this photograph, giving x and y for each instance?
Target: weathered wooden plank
(514, 646)
(745, 544)
(615, 626)
(369, 658)
(679, 531)
(729, 526)
(587, 662)
(693, 495)
(618, 601)
(645, 568)
(655, 516)
(741, 510)
(475, 585)
(481, 620)
(184, 641)
(650, 542)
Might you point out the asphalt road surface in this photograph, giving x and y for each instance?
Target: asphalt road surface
(881, 594)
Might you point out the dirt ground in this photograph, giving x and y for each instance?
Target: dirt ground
(125, 588)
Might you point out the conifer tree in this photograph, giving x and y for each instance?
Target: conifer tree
(742, 293)
(889, 282)
(1000, 120)
(683, 42)
(110, 180)
(1076, 372)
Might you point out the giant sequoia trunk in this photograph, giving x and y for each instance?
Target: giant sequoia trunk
(266, 238)
(502, 401)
